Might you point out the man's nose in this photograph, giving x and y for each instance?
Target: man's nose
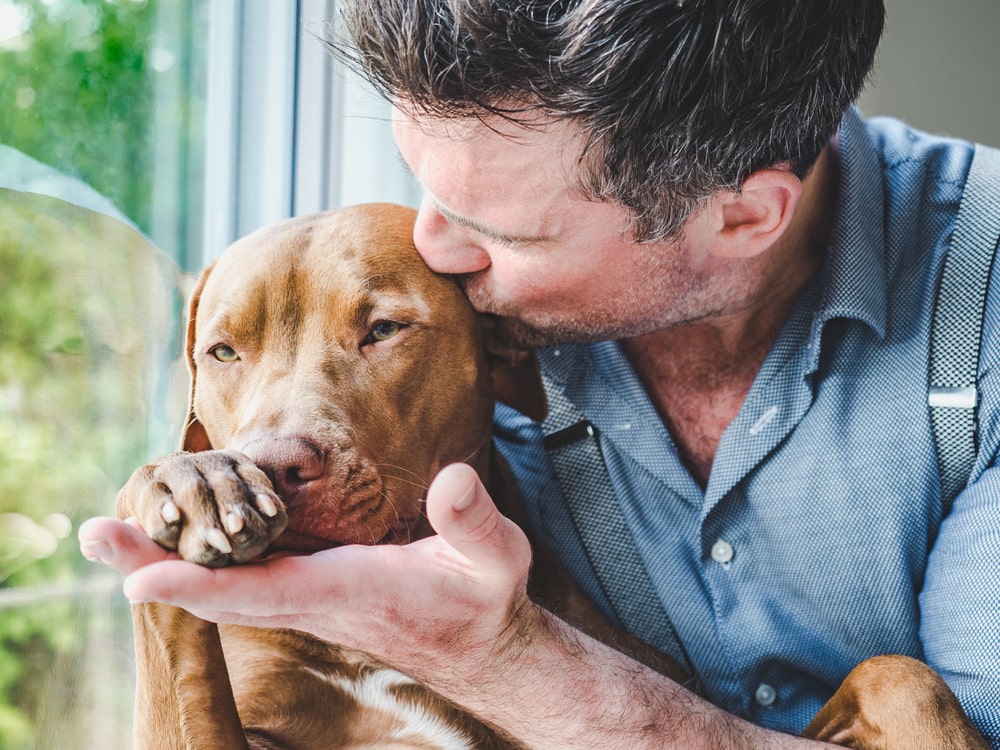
(445, 247)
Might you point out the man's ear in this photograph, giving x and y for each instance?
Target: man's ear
(194, 438)
(516, 376)
(753, 219)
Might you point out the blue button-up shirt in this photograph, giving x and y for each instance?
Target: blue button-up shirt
(823, 507)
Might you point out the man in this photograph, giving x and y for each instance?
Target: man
(732, 277)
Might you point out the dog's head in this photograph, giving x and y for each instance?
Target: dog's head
(326, 350)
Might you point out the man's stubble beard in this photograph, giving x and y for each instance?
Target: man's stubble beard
(667, 294)
(587, 327)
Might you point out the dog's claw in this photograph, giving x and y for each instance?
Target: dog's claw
(170, 513)
(217, 539)
(234, 523)
(266, 505)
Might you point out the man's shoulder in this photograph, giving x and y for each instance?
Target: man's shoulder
(902, 187)
(911, 157)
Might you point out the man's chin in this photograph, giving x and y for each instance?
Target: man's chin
(518, 334)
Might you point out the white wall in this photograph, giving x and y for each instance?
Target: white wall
(939, 68)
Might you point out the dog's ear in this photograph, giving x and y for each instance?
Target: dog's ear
(194, 438)
(517, 378)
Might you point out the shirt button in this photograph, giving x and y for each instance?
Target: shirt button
(765, 695)
(722, 551)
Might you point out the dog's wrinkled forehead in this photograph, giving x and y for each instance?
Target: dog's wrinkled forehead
(359, 260)
(358, 241)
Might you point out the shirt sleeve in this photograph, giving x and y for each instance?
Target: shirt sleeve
(960, 600)
(960, 603)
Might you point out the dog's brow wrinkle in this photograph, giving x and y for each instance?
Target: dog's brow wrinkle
(394, 284)
(266, 307)
(243, 319)
(291, 310)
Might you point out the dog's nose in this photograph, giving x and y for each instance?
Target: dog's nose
(290, 463)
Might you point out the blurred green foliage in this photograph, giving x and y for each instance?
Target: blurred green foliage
(90, 382)
(113, 92)
(89, 320)
(76, 93)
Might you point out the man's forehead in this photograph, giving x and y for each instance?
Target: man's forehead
(529, 127)
(518, 158)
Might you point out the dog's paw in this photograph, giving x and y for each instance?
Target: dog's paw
(213, 508)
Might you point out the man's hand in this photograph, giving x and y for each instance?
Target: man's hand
(416, 606)
(452, 611)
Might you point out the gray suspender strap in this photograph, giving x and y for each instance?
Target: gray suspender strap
(572, 443)
(957, 326)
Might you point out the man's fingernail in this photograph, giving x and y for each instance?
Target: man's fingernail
(465, 500)
(97, 552)
(132, 597)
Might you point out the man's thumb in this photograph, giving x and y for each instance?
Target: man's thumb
(462, 513)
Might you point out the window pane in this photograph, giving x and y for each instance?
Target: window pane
(101, 152)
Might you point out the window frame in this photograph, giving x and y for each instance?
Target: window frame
(279, 115)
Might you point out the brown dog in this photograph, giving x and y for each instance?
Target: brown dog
(333, 375)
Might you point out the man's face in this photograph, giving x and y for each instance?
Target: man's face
(500, 212)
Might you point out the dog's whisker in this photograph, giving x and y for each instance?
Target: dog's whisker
(404, 480)
(478, 450)
(190, 422)
(375, 539)
(388, 499)
(418, 480)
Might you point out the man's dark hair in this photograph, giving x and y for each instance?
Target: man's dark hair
(675, 99)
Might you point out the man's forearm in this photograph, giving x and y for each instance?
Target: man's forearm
(550, 686)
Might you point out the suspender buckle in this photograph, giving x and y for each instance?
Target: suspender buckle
(952, 398)
(569, 435)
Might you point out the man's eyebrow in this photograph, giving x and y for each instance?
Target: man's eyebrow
(489, 232)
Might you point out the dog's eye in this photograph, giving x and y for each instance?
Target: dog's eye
(383, 331)
(224, 353)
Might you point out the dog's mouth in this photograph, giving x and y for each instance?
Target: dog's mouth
(350, 502)
(298, 541)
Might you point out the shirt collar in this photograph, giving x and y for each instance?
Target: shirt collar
(853, 283)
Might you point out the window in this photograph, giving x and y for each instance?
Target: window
(101, 167)
(138, 138)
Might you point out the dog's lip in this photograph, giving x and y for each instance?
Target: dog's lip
(291, 540)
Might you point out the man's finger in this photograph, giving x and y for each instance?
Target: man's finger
(119, 545)
(464, 515)
(277, 587)
(175, 582)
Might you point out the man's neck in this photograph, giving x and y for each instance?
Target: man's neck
(698, 374)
